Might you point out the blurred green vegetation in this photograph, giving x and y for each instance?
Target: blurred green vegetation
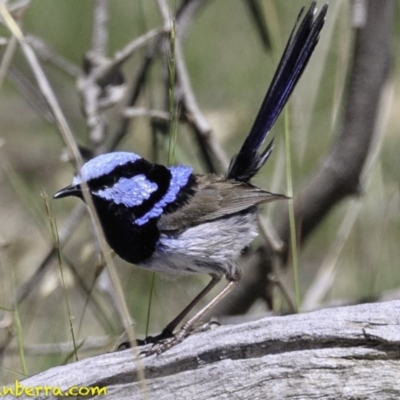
(230, 72)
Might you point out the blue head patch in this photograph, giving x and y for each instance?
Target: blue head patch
(126, 179)
(103, 165)
(130, 192)
(179, 178)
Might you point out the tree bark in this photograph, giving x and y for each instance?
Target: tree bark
(338, 353)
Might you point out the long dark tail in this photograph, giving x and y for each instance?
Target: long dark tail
(299, 48)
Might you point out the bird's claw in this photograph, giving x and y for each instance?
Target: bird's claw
(165, 334)
(166, 339)
(165, 344)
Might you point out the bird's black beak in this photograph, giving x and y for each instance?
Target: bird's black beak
(72, 190)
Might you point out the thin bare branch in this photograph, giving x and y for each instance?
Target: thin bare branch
(195, 117)
(185, 12)
(123, 55)
(100, 31)
(192, 112)
(98, 74)
(134, 112)
(31, 93)
(50, 56)
(88, 86)
(165, 13)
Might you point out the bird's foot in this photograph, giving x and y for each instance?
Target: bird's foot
(164, 335)
(163, 345)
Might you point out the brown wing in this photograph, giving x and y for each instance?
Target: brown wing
(215, 197)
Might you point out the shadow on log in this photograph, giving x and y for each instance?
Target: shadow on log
(337, 353)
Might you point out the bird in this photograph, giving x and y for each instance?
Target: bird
(169, 219)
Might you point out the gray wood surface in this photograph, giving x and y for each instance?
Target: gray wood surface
(338, 353)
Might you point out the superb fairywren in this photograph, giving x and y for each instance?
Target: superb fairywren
(169, 219)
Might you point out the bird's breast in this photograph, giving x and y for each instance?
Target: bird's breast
(211, 247)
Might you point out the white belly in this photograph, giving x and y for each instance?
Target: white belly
(212, 247)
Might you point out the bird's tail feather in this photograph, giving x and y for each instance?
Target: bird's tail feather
(302, 41)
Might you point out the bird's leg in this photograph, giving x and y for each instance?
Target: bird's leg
(168, 331)
(187, 328)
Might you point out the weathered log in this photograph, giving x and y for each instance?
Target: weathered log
(337, 353)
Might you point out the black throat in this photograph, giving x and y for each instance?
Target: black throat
(131, 242)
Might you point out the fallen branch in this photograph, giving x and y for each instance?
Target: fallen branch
(348, 352)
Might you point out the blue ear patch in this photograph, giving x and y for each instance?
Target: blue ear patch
(126, 179)
(129, 191)
(179, 178)
(103, 165)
